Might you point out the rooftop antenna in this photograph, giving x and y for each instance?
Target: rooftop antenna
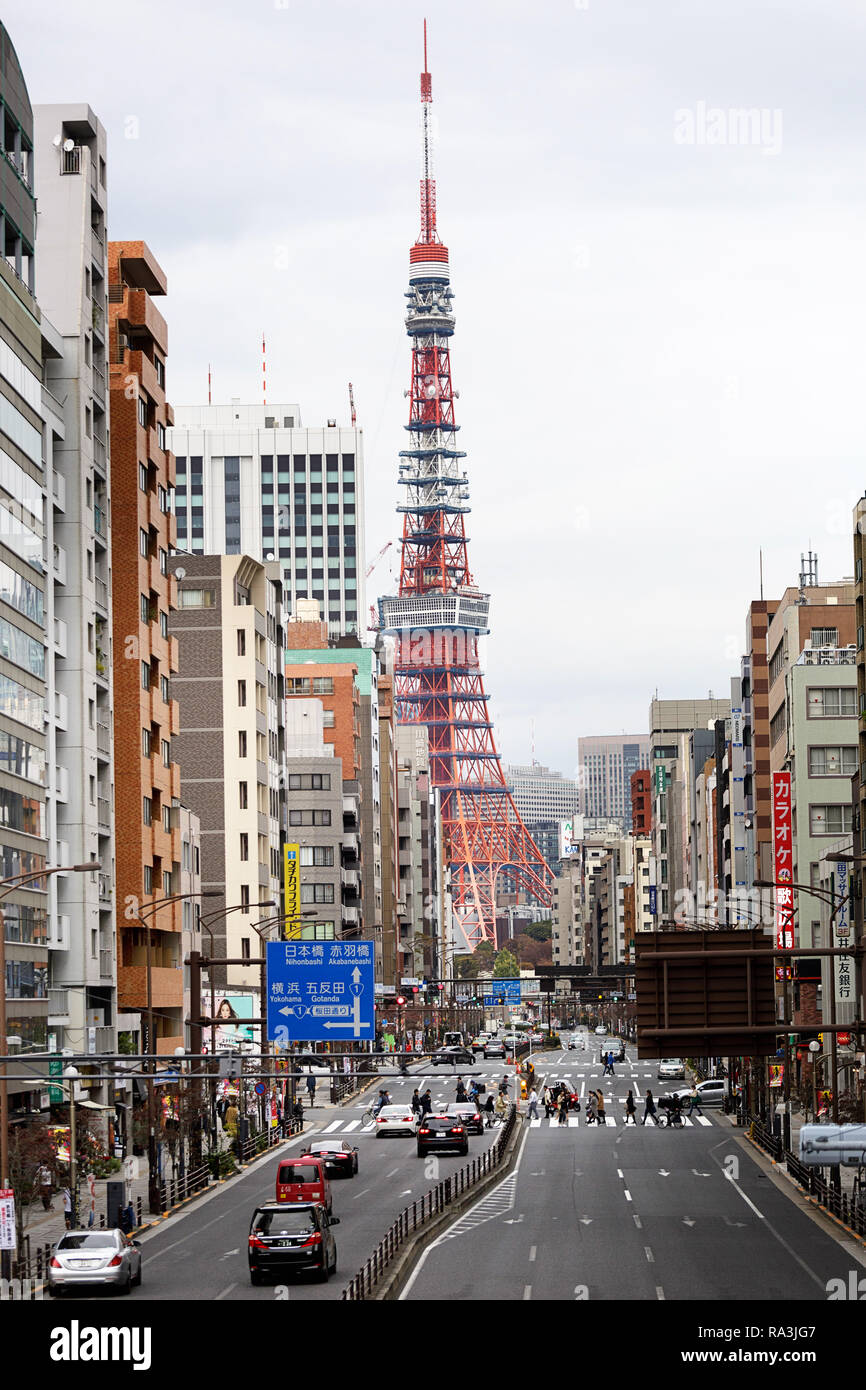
(428, 183)
(352, 406)
(208, 383)
(264, 374)
(761, 572)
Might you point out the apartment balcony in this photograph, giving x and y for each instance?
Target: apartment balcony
(100, 524)
(105, 893)
(97, 249)
(350, 850)
(350, 916)
(351, 880)
(101, 599)
(103, 813)
(60, 637)
(59, 564)
(103, 1042)
(106, 965)
(100, 454)
(140, 312)
(102, 667)
(98, 384)
(58, 1005)
(58, 489)
(103, 738)
(98, 322)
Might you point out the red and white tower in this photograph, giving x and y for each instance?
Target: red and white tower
(439, 613)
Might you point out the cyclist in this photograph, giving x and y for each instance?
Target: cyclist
(501, 1106)
(382, 1099)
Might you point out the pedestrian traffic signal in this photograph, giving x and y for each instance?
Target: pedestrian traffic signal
(400, 1000)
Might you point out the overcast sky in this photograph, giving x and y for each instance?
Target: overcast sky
(660, 309)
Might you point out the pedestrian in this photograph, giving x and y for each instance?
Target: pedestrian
(649, 1108)
(44, 1182)
(415, 1102)
(602, 1117)
(591, 1108)
(488, 1109)
(532, 1112)
(630, 1112)
(694, 1100)
(230, 1122)
(67, 1208)
(311, 1089)
(461, 1090)
(547, 1099)
(426, 1102)
(563, 1108)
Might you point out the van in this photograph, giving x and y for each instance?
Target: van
(452, 1040)
(303, 1179)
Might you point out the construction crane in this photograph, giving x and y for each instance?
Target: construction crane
(352, 406)
(370, 568)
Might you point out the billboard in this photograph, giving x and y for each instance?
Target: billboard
(569, 833)
(843, 966)
(783, 861)
(291, 889)
(230, 1011)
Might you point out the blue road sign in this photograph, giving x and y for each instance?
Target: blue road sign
(320, 991)
(503, 992)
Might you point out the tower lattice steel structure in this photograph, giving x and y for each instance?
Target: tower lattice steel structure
(439, 614)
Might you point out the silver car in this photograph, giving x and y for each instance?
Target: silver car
(94, 1257)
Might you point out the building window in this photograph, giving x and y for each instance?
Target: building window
(145, 676)
(163, 561)
(196, 598)
(834, 702)
(148, 879)
(309, 818)
(166, 819)
(245, 846)
(166, 883)
(166, 753)
(144, 609)
(242, 642)
(143, 543)
(328, 719)
(309, 781)
(164, 688)
(245, 948)
(243, 798)
(829, 820)
(160, 437)
(245, 898)
(824, 636)
(242, 693)
(832, 762)
(317, 892)
(142, 411)
(145, 743)
(163, 625)
(317, 856)
(142, 477)
(323, 685)
(148, 810)
(242, 743)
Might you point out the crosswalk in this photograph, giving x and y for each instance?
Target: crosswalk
(611, 1122)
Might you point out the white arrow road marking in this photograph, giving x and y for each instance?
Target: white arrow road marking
(230, 1252)
(585, 1220)
(664, 1173)
(728, 1222)
(701, 1175)
(687, 1221)
(513, 1221)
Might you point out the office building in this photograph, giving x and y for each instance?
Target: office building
(606, 764)
(252, 480)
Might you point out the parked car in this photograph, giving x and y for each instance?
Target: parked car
(286, 1238)
(468, 1115)
(94, 1257)
(340, 1159)
(396, 1119)
(442, 1132)
(672, 1069)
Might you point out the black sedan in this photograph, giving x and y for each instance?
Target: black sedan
(442, 1132)
(453, 1057)
(467, 1113)
(286, 1238)
(341, 1160)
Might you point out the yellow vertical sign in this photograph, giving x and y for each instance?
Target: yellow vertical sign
(291, 890)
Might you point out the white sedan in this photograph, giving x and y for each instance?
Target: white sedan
(396, 1119)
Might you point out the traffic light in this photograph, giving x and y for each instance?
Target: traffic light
(440, 986)
(400, 1001)
(414, 989)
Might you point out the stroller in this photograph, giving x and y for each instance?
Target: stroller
(672, 1109)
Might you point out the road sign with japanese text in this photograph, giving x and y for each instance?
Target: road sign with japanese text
(320, 991)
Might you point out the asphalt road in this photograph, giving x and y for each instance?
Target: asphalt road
(202, 1254)
(631, 1213)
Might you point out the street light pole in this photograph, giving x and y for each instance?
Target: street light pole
(7, 886)
(72, 1074)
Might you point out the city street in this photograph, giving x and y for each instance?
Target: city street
(618, 1212)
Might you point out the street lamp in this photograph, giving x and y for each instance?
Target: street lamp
(7, 886)
(71, 1074)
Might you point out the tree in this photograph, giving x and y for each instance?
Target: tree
(529, 951)
(467, 967)
(505, 966)
(538, 931)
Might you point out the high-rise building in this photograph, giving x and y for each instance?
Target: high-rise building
(30, 424)
(606, 765)
(544, 799)
(231, 744)
(146, 775)
(328, 854)
(252, 480)
(70, 173)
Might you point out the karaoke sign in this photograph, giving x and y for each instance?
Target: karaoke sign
(783, 859)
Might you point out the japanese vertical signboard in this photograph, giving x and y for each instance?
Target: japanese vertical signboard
(783, 861)
(291, 889)
(660, 778)
(7, 1219)
(843, 966)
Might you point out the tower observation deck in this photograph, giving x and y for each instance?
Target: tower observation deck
(439, 614)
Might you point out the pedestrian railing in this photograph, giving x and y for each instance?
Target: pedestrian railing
(847, 1207)
(345, 1085)
(425, 1210)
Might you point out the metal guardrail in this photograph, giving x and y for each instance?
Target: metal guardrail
(421, 1212)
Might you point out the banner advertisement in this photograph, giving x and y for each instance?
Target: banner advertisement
(783, 861)
(7, 1219)
(843, 966)
(232, 1034)
(777, 1078)
(291, 890)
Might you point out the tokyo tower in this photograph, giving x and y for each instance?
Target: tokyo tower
(439, 614)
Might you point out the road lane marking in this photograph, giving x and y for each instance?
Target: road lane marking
(527, 1292)
(360, 1194)
(627, 1194)
(225, 1293)
(660, 1293)
(353, 1125)
(637, 1222)
(532, 1251)
(649, 1254)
